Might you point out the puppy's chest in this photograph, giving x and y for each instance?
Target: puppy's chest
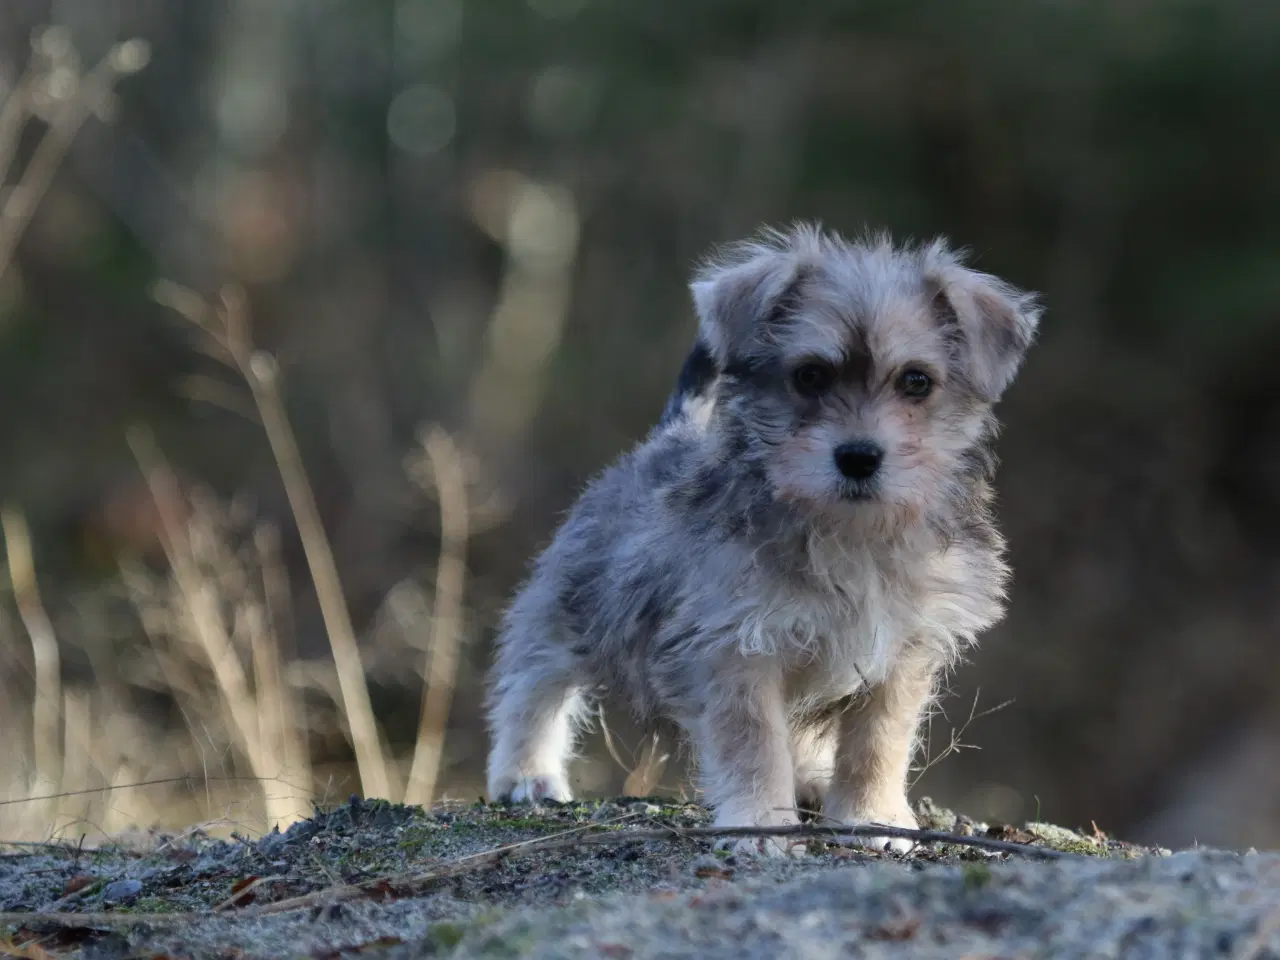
(839, 626)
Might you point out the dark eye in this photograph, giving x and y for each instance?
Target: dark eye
(915, 384)
(812, 379)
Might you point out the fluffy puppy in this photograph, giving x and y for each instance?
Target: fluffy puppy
(802, 544)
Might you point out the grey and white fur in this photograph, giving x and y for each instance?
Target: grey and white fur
(799, 548)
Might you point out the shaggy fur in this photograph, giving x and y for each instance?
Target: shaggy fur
(741, 573)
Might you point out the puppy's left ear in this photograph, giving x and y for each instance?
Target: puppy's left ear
(996, 321)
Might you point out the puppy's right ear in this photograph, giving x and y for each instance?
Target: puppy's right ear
(742, 296)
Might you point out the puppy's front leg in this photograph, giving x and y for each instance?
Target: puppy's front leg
(873, 757)
(744, 748)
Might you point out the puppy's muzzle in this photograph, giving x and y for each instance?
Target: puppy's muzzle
(859, 460)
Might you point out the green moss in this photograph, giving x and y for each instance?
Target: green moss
(1067, 841)
(445, 934)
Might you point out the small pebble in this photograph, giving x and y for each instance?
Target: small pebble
(121, 890)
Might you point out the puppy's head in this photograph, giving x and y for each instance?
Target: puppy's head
(861, 376)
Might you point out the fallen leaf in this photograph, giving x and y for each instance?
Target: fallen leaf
(1010, 833)
(78, 882)
(382, 890)
(719, 872)
(241, 896)
(903, 928)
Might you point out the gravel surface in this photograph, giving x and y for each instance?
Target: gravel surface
(1188, 905)
(589, 880)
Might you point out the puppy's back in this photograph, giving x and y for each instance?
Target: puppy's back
(692, 385)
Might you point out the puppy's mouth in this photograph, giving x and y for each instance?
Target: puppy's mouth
(857, 491)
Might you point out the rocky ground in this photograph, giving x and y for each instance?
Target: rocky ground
(624, 879)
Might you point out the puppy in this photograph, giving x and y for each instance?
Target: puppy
(800, 547)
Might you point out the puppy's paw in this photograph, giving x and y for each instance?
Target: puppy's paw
(897, 815)
(896, 845)
(783, 846)
(534, 790)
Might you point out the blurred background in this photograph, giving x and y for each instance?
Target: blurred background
(315, 316)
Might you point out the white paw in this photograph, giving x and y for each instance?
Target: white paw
(537, 789)
(896, 817)
(898, 845)
(783, 846)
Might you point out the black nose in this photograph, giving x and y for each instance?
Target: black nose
(858, 461)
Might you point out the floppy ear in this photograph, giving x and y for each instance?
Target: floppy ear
(996, 321)
(744, 293)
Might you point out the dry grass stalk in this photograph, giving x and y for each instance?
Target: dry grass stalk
(47, 701)
(227, 325)
(56, 92)
(287, 722)
(955, 743)
(51, 89)
(442, 469)
(201, 604)
(643, 775)
(73, 805)
(189, 630)
(644, 780)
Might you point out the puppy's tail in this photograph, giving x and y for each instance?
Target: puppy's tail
(694, 383)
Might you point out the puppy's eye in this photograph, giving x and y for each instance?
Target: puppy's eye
(915, 384)
(812, 379)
